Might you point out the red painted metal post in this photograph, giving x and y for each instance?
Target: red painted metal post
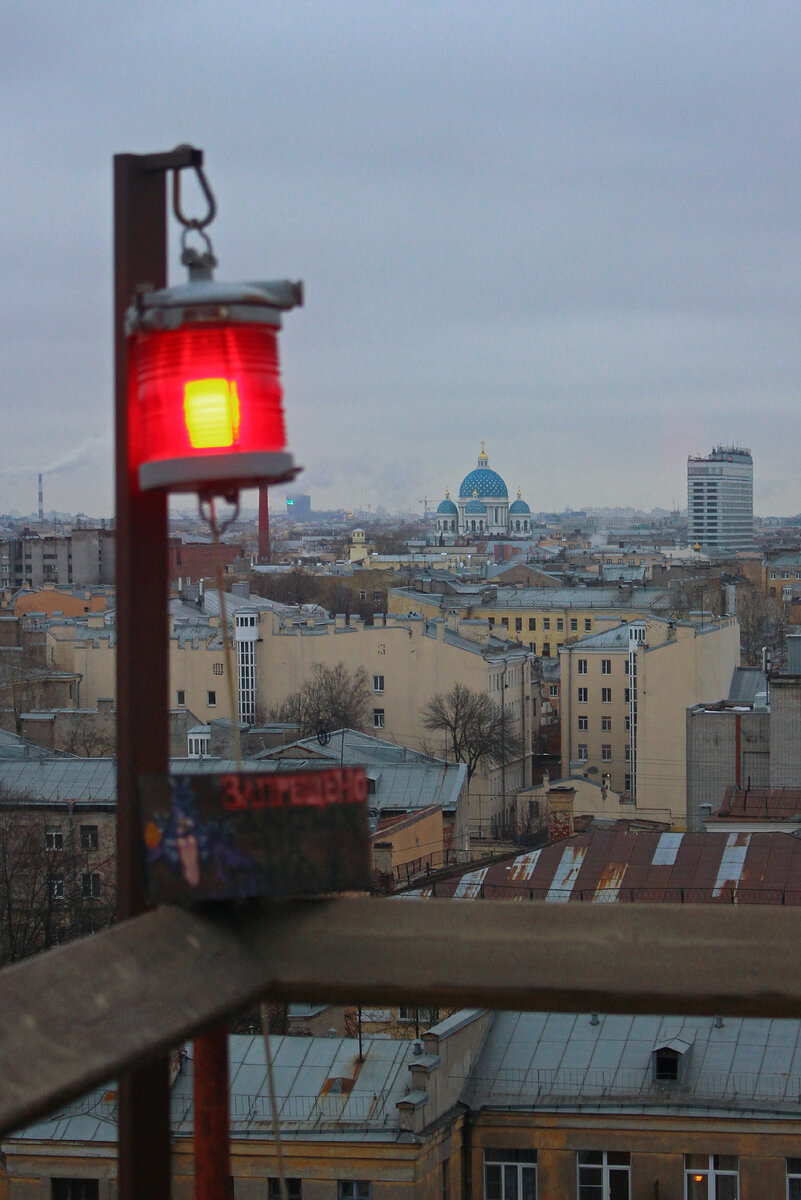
(212, 1156)
(140, 256)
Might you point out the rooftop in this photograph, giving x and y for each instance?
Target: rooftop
(647, 867)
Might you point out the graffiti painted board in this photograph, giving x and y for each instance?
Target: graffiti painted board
(241, 836)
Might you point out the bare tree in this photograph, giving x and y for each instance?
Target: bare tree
(763, 622)
(20, 681)
(88, 736)
(331, 698)
(474, 726)
(50, 889)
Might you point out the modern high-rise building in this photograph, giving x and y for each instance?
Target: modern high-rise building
(720, 500)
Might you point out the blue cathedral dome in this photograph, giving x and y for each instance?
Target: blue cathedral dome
(483, 482)
(519, 506)
(447, 507)
(475, 506)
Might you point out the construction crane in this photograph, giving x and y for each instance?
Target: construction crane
(424, 503)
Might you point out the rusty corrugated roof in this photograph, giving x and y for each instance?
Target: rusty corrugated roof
(766, 804)
(620, 867)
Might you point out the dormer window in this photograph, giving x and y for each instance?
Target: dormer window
(666, 1064)
(669, 1060)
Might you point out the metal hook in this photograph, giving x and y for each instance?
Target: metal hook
(193, 222)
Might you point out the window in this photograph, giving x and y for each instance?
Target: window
(378, 683)
(711, 1177)
(546, 649)
(198, 745)
(355, 1189)
(627, 783)
(583, 752)
(559, 623)
(626, 695)
(581, 666)
(583, 723)
(604, 1175)
(181, 698)
(666, 1064)
(587, 625)
(574, 624)
(376, 597)
(518, 624)
(378, 718)
(219, 668)
(57, 887)
(606, 753)
(363, 595)
(88, 837)
(606, 695)
(54, 839)
(606, 724)
(211, 699)
(510, 1174)
(627, 753)
(293, 1189)
(546, 622)
(582, 695)
(532, 624)
(553, 689)
(794, 1179)
(90, 885)
(606, 666)
(627, 722)
(75, 1189)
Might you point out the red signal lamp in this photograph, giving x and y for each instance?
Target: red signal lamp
(205, 397)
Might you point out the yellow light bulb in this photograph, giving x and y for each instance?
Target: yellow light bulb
(211, 412)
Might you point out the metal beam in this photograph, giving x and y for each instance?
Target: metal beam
(160, 978)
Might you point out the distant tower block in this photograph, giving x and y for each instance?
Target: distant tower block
(264, 526)
(41, 500)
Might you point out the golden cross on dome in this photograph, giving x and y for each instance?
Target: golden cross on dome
(475, 493)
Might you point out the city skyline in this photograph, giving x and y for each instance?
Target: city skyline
(575, 234)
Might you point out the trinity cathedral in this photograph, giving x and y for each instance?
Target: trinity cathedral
(483, 508)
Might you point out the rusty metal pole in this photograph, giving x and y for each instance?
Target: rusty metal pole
(212, 1154)
(140, 256)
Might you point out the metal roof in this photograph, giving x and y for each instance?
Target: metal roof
(760, 804)
(647, 867)
(748, 684)
(321, 1090)
(549, 1060)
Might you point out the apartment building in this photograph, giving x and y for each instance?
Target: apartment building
(544, 619)
(720, 500)
(624, 696)
(487, 1106)
(80, 558)
(408, 661)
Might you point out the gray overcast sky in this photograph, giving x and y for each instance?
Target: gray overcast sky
(572, 230)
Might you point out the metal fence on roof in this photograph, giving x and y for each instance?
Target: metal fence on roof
(541, 1085)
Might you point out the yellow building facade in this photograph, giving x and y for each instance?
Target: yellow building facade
(624, 699)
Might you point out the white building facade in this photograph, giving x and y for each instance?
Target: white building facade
(720, 500)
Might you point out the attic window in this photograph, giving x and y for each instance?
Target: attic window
(666, 1064)
(338, 1085)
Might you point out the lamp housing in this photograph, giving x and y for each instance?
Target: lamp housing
(205, 398)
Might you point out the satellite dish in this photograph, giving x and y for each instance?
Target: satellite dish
(323, 737)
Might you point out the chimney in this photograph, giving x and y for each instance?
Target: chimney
(264, 527)
(41, 500)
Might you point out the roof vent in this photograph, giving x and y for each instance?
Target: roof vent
(718, 1022)
(595, 1019)
(417, 1047)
